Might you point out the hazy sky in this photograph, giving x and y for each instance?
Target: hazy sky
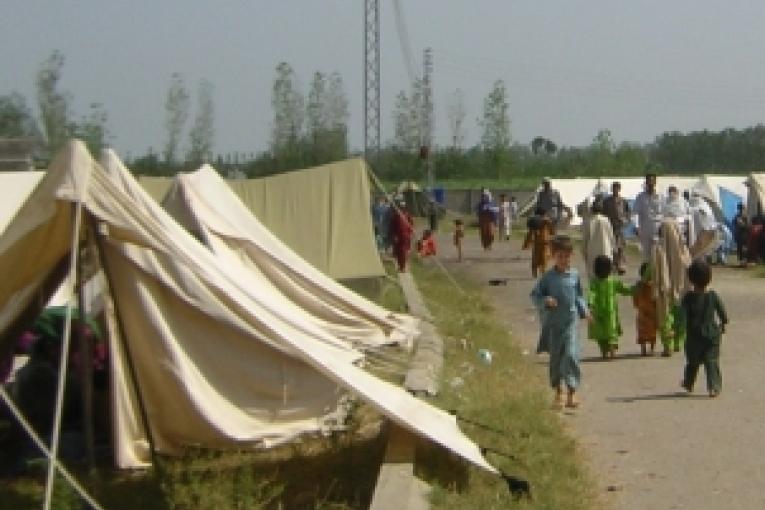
(572, 67)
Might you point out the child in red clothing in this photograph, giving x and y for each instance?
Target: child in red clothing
(427, 245)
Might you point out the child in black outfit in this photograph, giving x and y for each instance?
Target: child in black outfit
(702, 344)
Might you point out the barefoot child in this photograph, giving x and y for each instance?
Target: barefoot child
(642, 298)
(605, 327)
(703, 332)
(558, 296)
(459, 233)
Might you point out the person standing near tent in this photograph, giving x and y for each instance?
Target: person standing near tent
(648, 207)
(401, 232)
(381, 216)
(549, 200)
(487, 219)
(597, 238)
(617, 210)
(505, 216)
(741, 232)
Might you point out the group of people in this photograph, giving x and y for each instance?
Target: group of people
(394, 229)
(670, 297)
(492, 217)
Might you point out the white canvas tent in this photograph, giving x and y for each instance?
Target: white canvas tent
(205, 205)
(16, 187)
(198, 357)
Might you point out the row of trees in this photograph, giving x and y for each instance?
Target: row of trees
(311, 129)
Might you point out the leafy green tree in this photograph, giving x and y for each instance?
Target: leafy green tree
(456, 115)
(92, 129)
(495, 129)
(16, 119)
(54, 105)
(177, 112)
(316, 116)
(202, 133)
(286, 131)
(337, 117)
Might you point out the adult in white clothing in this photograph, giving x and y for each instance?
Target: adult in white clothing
(597, 237)
(649, 207)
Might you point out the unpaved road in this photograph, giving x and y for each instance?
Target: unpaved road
(650, 446)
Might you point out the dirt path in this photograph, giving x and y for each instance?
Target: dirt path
(650, 445)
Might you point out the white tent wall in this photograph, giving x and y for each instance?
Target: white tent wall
(16, 188)
(216, 363)
(204, 204)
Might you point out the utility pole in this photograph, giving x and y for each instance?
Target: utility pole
(371, 80)
(426, 133)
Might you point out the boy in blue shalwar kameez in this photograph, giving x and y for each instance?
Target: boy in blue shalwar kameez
(559, 298)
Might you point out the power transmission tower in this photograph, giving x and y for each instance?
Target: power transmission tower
(426, 133)
(371, 80)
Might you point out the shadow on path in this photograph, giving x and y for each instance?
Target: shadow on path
(678, 395)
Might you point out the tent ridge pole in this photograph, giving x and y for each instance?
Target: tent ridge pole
(123, 341)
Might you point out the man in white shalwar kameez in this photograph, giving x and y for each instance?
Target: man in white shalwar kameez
(597, 237)
(648, 208)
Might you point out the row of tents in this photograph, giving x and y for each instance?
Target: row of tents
(220, 334)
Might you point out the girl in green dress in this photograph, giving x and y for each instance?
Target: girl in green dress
(605, 327)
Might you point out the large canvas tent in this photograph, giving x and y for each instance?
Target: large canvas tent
(206, 206)
(198, 356)
(323, 213)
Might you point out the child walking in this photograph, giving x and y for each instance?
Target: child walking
(558, 296)
(605, 327)
(645, 303)
(459, 233)
(703, 332)
(541, 231)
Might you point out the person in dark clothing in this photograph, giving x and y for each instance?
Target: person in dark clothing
(703, 332)
(741, 232)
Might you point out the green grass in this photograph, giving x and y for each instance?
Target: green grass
(510, 396)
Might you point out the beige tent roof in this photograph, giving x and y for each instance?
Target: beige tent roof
(206, 206)
(16, 187)
(217, 362)
(322, 213)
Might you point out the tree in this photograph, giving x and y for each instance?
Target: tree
(495, 127)
(92, 129)
(202, 133)
(603, 141)
(16, 119)
(53, 104)
(177, 111)
(337, 117)
(457, 114)
(287, 103)
(550, 147)
(316, 113)
(537, 144)
(407, 115)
